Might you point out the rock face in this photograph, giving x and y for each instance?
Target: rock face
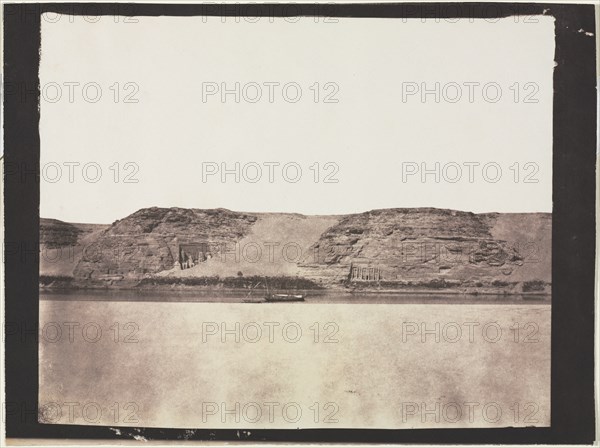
(426, 248)
(55, 233)
(62, 245)
(149, 241)
(381, 249)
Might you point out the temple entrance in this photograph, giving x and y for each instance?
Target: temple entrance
(364, 273)
(192, 254)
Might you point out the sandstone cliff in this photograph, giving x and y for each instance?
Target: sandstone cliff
(151, 240)
(62, 245)
(390, 249)
(435, 249)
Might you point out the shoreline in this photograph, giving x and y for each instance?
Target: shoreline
(311, 292)
(248, 286)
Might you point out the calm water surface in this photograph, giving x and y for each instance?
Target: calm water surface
(317, 297)
(371, 367)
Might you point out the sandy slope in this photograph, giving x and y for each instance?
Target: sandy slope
(273, 246)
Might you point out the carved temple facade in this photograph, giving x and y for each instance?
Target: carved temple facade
(190, 254)
(365, 272)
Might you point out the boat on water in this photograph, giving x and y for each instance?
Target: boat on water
(269, 297)
(250, 299)
(253, 300)
(284, 298)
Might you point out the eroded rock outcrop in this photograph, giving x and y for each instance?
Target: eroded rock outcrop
(55, 233)
(423, 248)
(389, 249)
(149, 240)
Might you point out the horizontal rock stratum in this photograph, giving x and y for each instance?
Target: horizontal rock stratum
(389, 249)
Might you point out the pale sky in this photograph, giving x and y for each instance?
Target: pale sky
(379, 127)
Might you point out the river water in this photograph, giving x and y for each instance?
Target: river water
(317, 297)
(189, 360)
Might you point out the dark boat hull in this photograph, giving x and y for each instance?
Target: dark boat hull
(284, 298)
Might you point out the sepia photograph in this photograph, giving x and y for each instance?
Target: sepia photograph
(300, 217)
(238, 225)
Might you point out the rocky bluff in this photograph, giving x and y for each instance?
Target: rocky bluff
(435, 249)
(389, 249)
(149, 240)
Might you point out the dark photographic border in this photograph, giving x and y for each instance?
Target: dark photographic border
(573, 227)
